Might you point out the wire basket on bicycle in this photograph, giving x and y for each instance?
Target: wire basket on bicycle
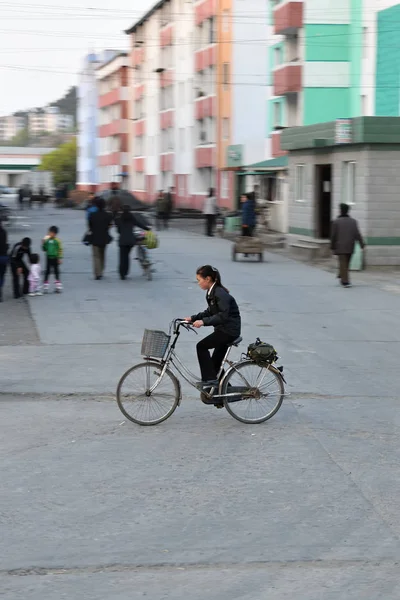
(155, 343)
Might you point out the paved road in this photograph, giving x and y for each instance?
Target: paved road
(305, 506)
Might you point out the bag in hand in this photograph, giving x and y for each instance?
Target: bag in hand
(87, 238)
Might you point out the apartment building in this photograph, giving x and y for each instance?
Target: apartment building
(49, 120)
(187, 102)
(88, 140)
(10, 126)
(113, 124)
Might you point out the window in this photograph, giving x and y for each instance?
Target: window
(225, 21)
(277, 114)
(225, 75)
(364, 105)
(300, 183)
(277, 56)
(212, 38)
(225, 129)
(349, 182)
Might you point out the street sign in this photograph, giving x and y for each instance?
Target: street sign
(343, 131)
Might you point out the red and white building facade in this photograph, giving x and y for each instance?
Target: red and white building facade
(173, 132)
(113, 120)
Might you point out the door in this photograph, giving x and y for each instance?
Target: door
(323, 200)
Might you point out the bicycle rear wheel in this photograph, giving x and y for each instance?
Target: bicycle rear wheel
(260, 392)
(135, 400)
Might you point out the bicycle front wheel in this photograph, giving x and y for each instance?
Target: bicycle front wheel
(259, 390)
(138, 403)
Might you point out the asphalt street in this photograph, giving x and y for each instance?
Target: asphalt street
(304, 506)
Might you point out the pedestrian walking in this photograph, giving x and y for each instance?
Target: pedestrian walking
(114, 203)
(34, 277)
(125, 224)
(210, 211)
(18, 266)
(3, 257)
(52, 247)
(168, 206)
(160, 207)
(345, 233)
(249, 217)
(90, 206)
(21, 198)
(99, 225)
(223, 314)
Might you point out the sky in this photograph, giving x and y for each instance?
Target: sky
(42, 44)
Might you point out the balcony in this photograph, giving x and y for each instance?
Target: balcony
(167, 119)
(205, 106)
(167, 162)
(205, 157)
(288, 18)
(276, 149)
(205, 10)
(287, 79)
(205, 58)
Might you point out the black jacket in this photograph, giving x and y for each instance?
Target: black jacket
(99, 223)
(17, 254)
(222, 312)
(3, 242)
(125, 227)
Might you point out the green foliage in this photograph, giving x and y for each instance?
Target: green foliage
(21, 139)
(62, 163)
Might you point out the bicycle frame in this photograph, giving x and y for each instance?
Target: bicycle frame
(172, 359)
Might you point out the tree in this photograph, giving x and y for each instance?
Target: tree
(62, 163)
(21, 139)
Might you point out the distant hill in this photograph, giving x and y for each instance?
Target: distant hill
(67, 105)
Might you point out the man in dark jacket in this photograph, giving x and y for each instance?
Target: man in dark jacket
(3, 257)
(168, 206)
(345, 233)
(99, 224)
(18, 266)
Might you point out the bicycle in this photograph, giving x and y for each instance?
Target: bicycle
(143, 257)
(149, 392)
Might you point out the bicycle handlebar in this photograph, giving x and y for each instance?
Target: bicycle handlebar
(185, 324)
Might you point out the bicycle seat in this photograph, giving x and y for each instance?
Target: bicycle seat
(237, 341)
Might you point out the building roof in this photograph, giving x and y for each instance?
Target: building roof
(146, 16)
(24, 150)
(360, 130)
(111, 59)
(274, 164)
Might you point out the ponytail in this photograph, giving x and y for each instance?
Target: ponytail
(213, 274)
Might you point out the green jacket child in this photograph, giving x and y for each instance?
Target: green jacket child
(52, 245)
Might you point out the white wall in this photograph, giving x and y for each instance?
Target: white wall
(250, 74)
(184, 92)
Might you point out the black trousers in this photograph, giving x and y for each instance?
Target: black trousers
(210, 224)
(16, 279)
(52, 265)
(124, 263)
(3, 269)
(210, 365)
(247, 231)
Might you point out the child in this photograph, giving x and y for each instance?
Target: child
(222, 314)
(53, 248)
(35, 272)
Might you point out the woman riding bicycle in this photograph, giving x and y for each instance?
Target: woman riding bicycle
(223, 314)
